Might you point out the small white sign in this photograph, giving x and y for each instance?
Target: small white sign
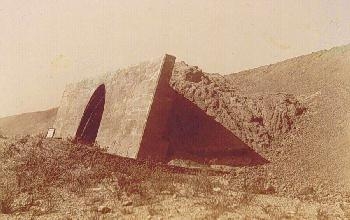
(50, 133)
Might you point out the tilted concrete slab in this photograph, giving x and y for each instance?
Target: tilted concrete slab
(132, 96)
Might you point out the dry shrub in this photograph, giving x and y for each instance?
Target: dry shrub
(218, 206)
(58, 164)
(6, 200)
(145, 180)
(38, 165)
(245, 198)
(43, 164)
(201, 183)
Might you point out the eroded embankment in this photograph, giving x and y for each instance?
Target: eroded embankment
(256, 119)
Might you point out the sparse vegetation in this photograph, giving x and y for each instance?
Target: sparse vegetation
(38, 165)
(48, 177)
(6, 201)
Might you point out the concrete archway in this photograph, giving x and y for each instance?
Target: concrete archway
(91, 119)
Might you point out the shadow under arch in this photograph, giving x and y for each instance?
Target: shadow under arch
(196, 136)
(91, 119)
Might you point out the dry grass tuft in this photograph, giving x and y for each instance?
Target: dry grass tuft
(38, 165)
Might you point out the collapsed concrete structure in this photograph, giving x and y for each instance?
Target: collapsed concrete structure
(117, 109)
(293, 114)
(135, 113)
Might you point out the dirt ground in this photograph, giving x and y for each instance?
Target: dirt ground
(57, 179)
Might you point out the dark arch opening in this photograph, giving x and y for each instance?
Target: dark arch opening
(90, 122)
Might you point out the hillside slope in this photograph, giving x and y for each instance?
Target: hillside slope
(317, 153)
(295, 113)
(27, 123)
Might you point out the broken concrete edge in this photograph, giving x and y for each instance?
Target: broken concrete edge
(166, 58)
(163, 79)
(108, 74)
(154, 143)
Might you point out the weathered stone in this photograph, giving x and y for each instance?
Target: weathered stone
(216, 189)
(127, 203)
(104, 209)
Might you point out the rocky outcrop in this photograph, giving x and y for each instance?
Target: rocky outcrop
(255, 119)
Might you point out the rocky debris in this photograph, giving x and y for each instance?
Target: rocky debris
(307, 191)
(127, 210)
(216, 189)
(345, 206)
(256, 119)
(186, 163)
(22, 202)
(224, 168)
(96, 189)
(104, 209)
(165, 192)
(269, 189)
(127, 203)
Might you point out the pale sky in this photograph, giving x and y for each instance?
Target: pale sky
(46, 44)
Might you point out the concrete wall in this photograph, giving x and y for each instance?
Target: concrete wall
(130, 93)
(155, 140)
